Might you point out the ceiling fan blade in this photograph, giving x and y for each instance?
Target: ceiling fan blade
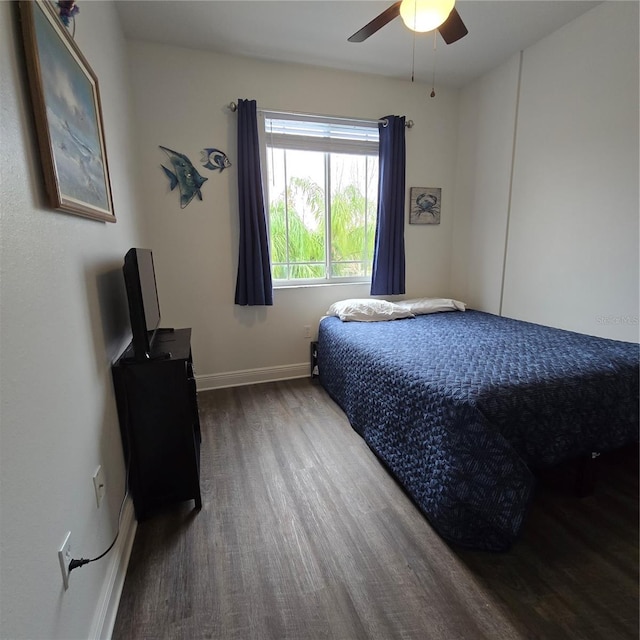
(377, 23)
(452, 29)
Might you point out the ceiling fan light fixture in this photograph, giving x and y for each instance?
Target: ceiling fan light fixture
(425, 15)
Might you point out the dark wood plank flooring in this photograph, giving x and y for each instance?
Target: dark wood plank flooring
(304, 535)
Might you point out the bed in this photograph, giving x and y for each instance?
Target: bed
(461, 407)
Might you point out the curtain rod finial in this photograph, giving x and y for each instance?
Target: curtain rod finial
(233, 107)
(385, 123)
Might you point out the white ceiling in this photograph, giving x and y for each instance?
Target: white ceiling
(312, 32)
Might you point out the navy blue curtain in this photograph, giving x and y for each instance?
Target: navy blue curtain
(253, 285)
(388, 257)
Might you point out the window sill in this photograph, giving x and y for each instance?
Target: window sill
(312, 285)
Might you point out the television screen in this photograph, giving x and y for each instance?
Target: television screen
(142, 295)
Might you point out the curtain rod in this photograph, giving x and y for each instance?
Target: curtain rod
(383, 121)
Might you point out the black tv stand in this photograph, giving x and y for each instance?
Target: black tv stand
(165, 330)
(148, 357)
(159, 423)
(163, 355)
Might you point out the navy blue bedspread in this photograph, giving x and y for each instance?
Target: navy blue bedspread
(460, 406)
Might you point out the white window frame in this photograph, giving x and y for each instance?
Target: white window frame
(325, 134)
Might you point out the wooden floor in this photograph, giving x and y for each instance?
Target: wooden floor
(304, 535)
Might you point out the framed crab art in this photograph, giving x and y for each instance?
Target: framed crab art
(424, 205)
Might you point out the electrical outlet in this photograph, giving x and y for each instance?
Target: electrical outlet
(64, 556)
(99, 484)
(307, 331)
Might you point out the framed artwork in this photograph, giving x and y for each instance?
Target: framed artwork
(424, 205)
(68, 115)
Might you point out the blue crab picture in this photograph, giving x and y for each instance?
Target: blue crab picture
(425, 205)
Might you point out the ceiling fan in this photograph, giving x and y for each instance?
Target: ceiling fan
(419, 15)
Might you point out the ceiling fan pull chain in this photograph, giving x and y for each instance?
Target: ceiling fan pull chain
(413, 59)
(433, 77)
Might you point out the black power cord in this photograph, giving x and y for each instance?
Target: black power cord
(74, 564)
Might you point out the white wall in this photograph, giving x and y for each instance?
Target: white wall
(181, 97)
(483, 174)
(572, 258)
(63, 318)
(573, 241)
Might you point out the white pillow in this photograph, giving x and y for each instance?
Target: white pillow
(367, 310)
(421, 306)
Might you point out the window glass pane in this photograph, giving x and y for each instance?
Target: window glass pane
(300, 271)
(353, 206)
(306, 206)
(347, 269)
(277, 211)
(279, 271)
(372, 212)
(297, 212)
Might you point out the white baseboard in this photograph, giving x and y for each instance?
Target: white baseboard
(107, 609)
(252, 376)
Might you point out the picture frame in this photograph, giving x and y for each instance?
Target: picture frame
(68, 115)
(424, 205)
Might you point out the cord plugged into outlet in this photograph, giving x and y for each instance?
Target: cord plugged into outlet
(68, 563)
(64, 556)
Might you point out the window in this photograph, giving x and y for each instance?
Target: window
(322, 184)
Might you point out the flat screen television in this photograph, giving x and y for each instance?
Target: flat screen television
(142, 295)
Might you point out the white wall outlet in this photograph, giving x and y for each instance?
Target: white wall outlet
(64, 556)
(307, 331)
(99, 484)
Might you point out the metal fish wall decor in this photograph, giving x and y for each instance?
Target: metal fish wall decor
(184, 176)
(215, 159)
